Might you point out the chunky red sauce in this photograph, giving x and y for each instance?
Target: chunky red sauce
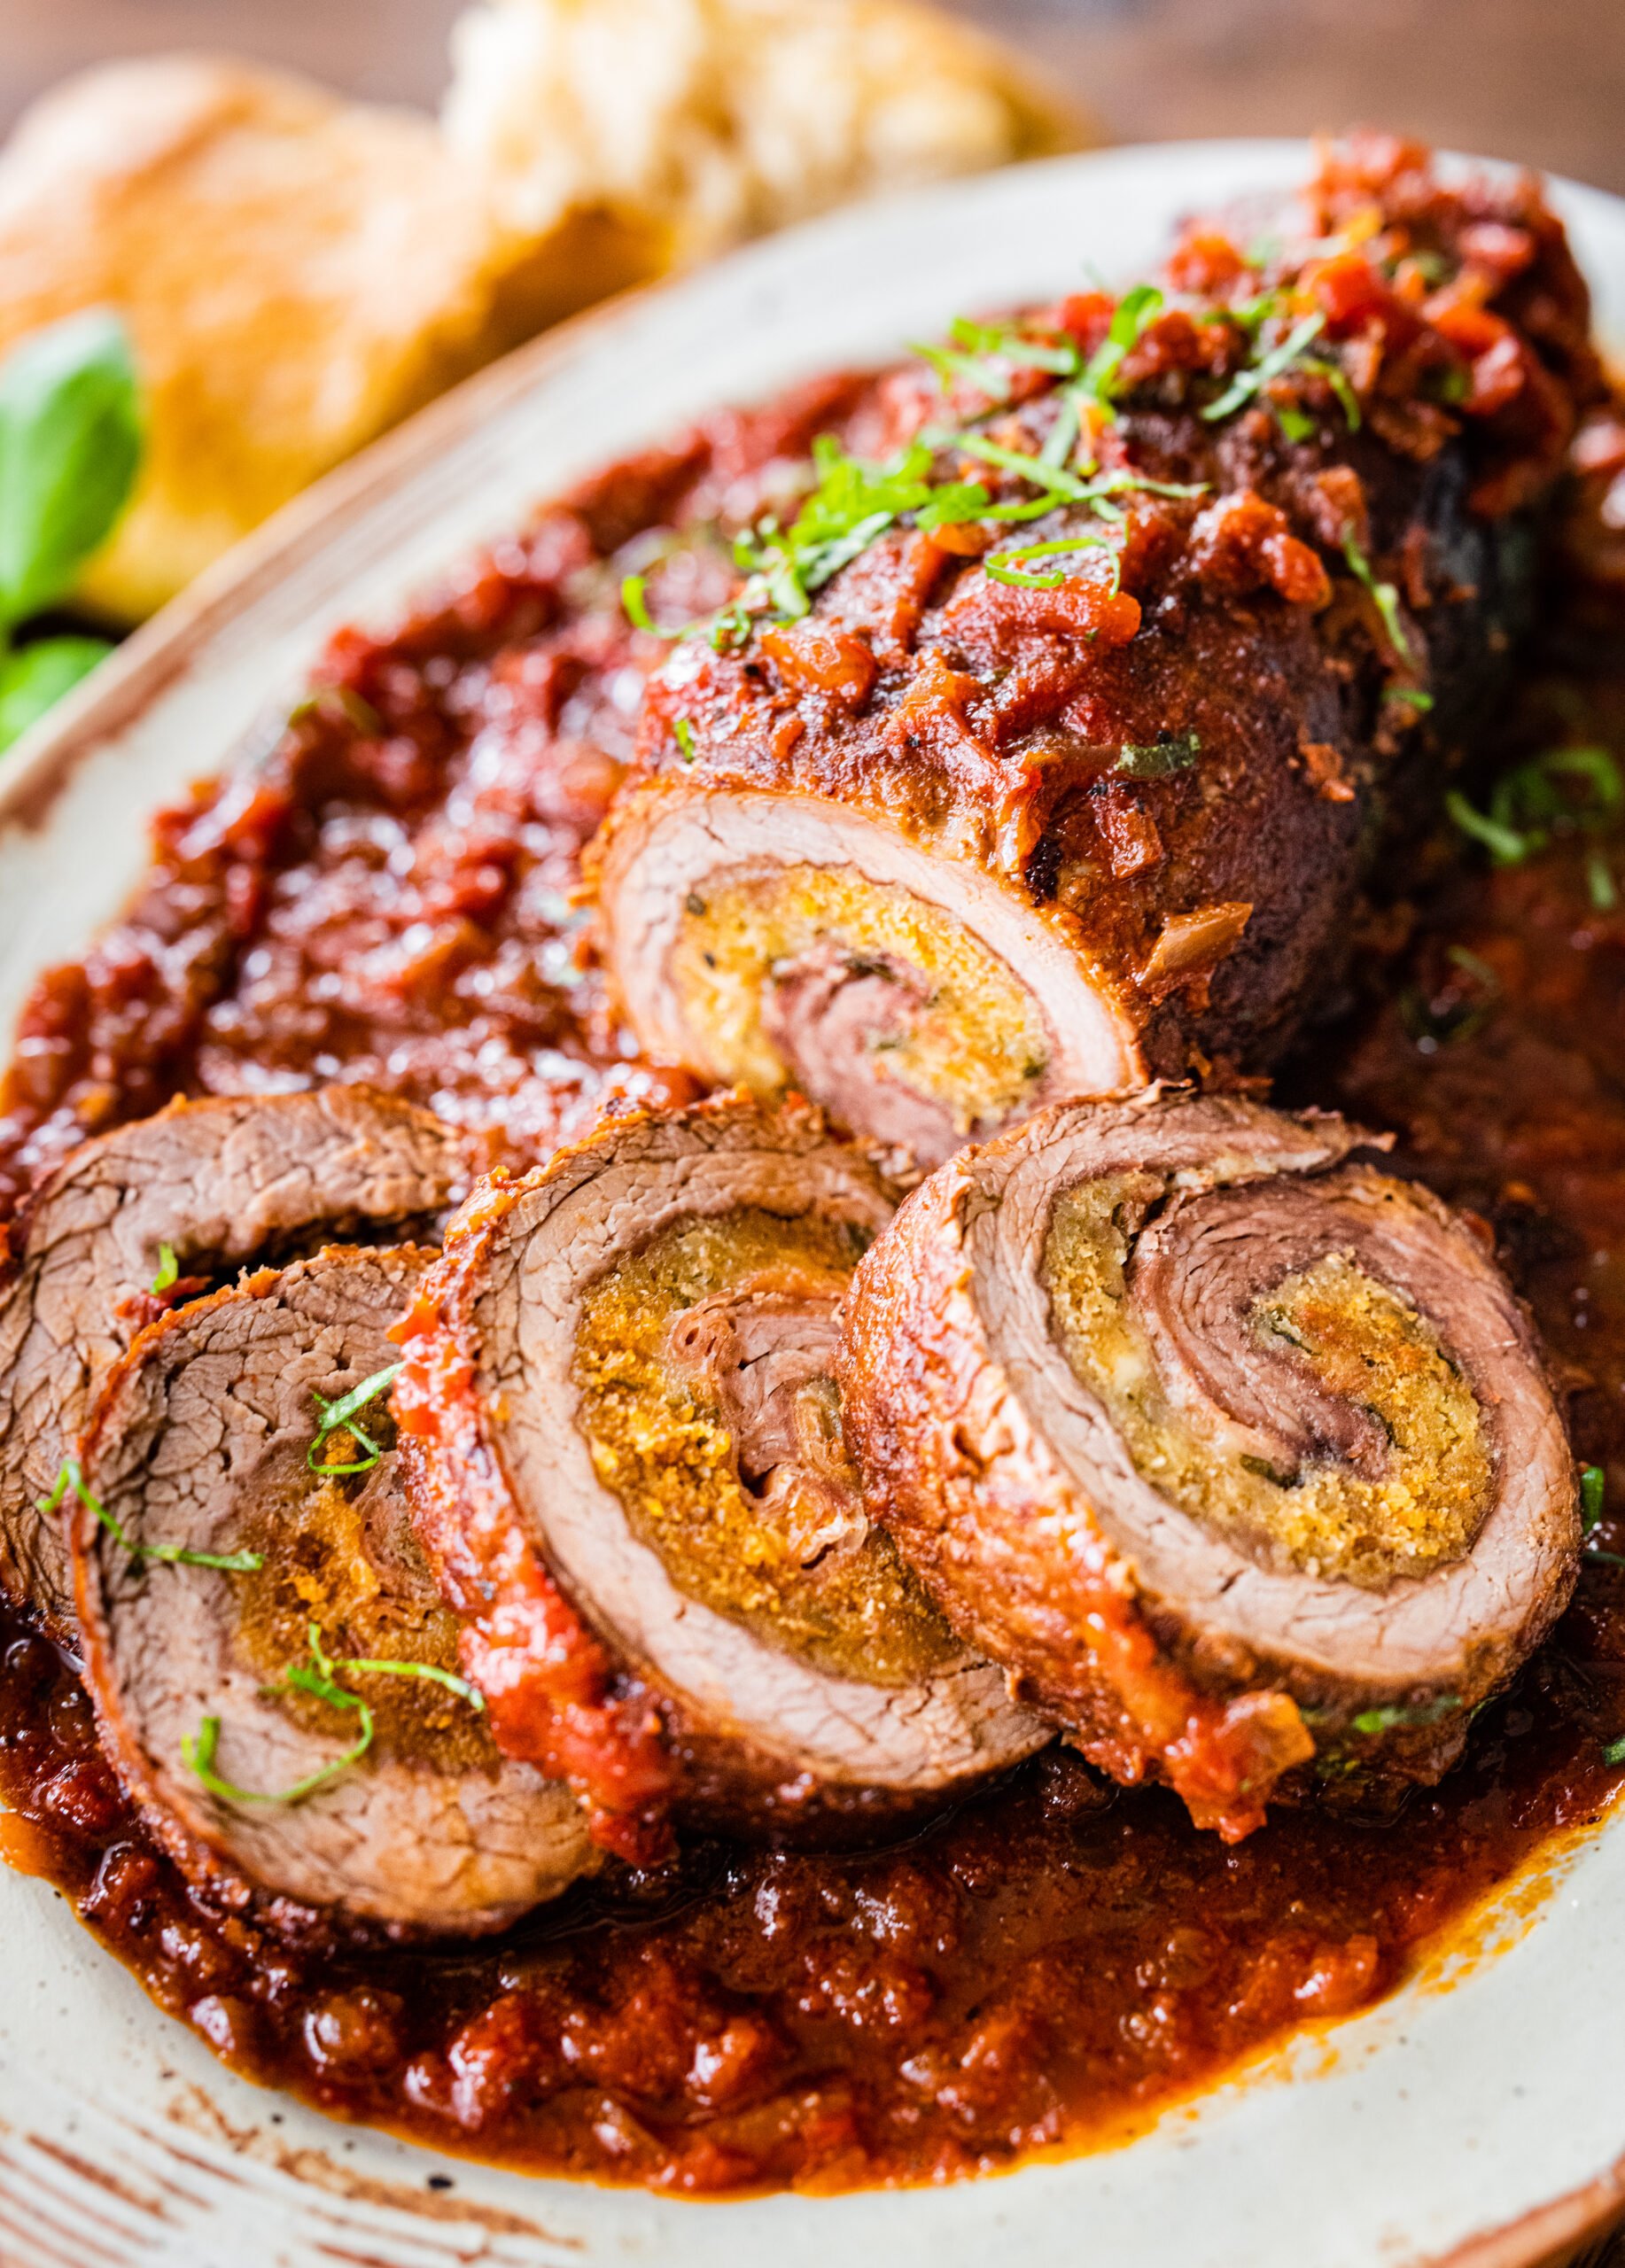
(386, 895)
(555, 1698)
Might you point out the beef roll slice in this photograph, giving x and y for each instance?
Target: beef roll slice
(138, 1220)
(274, 1671)
(627, 1455)
(1236, 1450)
(1056, 728)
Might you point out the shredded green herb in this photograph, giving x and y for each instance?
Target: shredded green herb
(1504, 845)
(360, 1665)
(339, 1418)
(1532, 802)
(1322, 366)
(980, 349)
(1250, 382)
(1100, 380)
(682, 731)
(1170, 752)
(352, 706)
(1383, 595)
(1593, 1490)
(1392, 1716)
(72, 1477)
(1432, 1025)
(1007, 566)
(169, 1271)
(1613, 1751)
(851, 502)
(634, 600)
(318, 1678)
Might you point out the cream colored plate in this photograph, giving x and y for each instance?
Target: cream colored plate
(1390, 2141)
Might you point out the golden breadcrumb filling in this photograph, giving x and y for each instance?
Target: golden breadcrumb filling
(975, 1044)
(323, 1548)
(659, 1442)
(1365, 1344)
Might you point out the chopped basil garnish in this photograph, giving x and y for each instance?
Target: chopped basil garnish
(1435, 1024)
(1393, 1714)
(633, 598)
(1134, 312)
(339, 1418)
(1593, 1489)
(1504, 845)
(1337, 379)
(1252, 381)
(852, 502)
(169, 1271)
(1157, 759)
(197, 1752)
(230, 1562)
(1613, 1751)
(353, 707)
(683, 732)
(1009, 566)
(1535, 801)
(1384, 595)
(1593, 1495)
(318, 1679)
(979, 349)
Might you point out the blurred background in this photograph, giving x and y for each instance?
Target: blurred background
(1543, 81)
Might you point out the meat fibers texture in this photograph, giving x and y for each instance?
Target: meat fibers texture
(1169, 1648)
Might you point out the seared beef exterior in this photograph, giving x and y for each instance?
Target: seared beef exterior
(204, 1438)
(672, 1696)
(220, 1183)
(1266, 547)
(1384, 1522)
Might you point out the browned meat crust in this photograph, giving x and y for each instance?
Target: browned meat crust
(1155, 792)
(750, 1732)
(220, 1183)
(1172, 1648)
(201, 1439)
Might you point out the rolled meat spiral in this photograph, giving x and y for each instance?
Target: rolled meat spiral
(214, 1184)
(230, 1684)
(1047, 751)
(618, 1390)
(1235, 1450)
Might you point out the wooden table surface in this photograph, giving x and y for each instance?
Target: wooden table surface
(1538, 79)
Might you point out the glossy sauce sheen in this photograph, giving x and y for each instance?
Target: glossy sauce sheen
(386, 897)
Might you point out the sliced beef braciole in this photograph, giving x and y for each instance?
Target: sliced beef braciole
(284, 1699)
(214, 1185)
(617, 1388)
(1238, 1450)
(1048, 749)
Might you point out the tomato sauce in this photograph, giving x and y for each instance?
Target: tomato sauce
(386, 891)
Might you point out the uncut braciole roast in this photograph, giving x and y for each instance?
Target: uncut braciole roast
(811, 1340)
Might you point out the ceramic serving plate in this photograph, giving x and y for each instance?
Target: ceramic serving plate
(1476, 2117)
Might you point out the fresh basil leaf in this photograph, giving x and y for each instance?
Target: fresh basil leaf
(36, 677)
(70, 442)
